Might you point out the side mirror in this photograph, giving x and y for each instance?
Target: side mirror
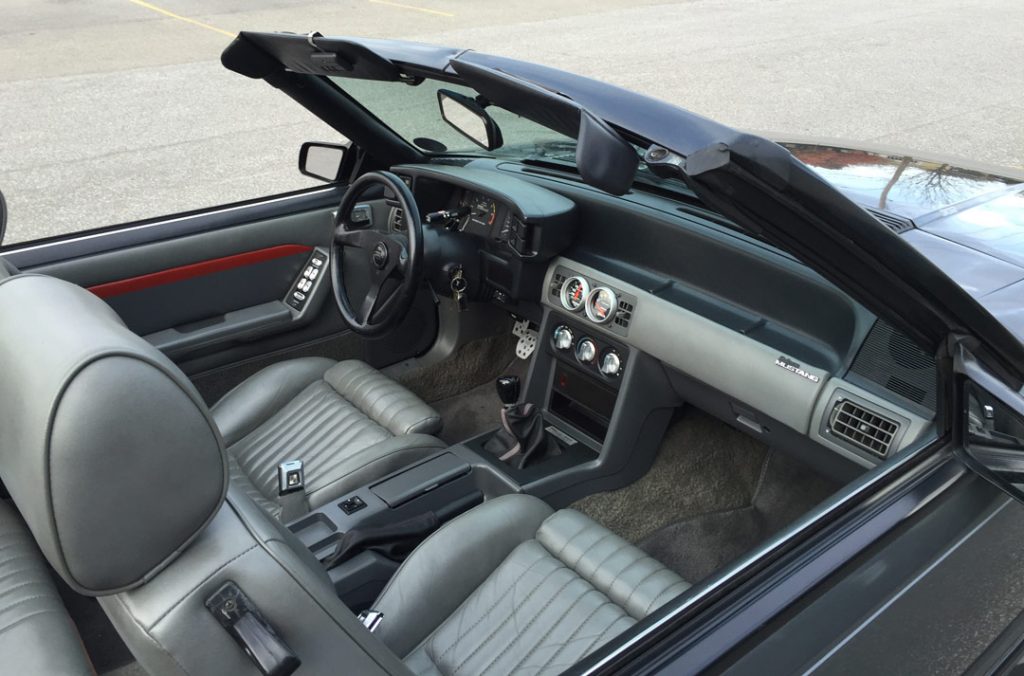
(322, 160)
(3, 217)
(469, 118)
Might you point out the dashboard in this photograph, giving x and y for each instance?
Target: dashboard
(613, 277)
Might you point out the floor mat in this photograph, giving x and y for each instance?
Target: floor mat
(702, 466)
(698, 546)
(474, 364)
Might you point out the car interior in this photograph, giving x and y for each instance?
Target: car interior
(471, 415)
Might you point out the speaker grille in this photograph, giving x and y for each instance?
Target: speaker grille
(890, 359)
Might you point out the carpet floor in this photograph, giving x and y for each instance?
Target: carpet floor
(477, 410)
(712, 494)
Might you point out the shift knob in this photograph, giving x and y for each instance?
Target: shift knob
(508, 389)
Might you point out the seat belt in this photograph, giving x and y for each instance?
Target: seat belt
(393, 540)
(291, 491)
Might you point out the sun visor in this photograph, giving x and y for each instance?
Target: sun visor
(310, 54)
(605, 160)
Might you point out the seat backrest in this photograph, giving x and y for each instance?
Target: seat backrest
(115, 462)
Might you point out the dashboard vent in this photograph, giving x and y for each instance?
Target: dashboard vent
(397, 219)
(890, 359)
(898, 224)
(862, 428)
(557, 280)
(624, 315)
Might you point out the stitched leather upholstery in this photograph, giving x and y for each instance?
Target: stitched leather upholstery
(347, 422)
(36, 634)
(382, 399)
(557, 597)
(625, 574)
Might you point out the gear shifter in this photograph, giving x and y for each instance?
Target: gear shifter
(522, 427)
(508, 390)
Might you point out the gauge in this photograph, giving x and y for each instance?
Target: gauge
(483, 211)
(574, 293)
(602, 305)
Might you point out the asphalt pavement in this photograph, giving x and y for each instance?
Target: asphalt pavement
(117, 110)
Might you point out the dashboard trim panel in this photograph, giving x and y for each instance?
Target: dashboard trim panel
(724, 359)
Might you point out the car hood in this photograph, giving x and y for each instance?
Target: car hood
(968, 221)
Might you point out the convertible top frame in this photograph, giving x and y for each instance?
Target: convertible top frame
(755, 182)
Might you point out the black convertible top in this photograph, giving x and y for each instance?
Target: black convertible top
(752, 180)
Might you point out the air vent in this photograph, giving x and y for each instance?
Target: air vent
(397, 219)
(898, 224)
(862, 428)
(625, 314)
(557, 280)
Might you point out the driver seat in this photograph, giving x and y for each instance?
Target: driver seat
(347, 422)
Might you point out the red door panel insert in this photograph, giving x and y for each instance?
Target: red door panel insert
(208, 267)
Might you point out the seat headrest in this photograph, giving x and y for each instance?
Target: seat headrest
(105, 446)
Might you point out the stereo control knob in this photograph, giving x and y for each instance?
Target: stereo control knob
(562, 337)
(611, 364)
(586, 350)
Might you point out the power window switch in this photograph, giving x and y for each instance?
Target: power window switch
(313, 273)
(352, 505)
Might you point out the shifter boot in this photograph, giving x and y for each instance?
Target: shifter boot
(521, 437)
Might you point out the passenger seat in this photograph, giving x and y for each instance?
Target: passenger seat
(37, 635)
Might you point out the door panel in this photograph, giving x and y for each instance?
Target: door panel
(212, 289)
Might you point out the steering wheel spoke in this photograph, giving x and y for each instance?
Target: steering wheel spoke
(360, 239)
(391, 262)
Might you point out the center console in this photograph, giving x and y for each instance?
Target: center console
(369, 521)
(588, 418)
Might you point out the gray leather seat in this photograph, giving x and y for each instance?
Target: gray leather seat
(36, 633)
(511, 587)
(347, 422)
(121, 475)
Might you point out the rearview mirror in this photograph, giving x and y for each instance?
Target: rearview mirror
(469, 118)
(322, 160)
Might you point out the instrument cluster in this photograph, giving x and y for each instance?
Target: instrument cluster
(600, 304)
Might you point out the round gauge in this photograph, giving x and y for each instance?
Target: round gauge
(483, 210)
(574, 293)
(602, 305)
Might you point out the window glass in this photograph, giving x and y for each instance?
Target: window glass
(110, 148)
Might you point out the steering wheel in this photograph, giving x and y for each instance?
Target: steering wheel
(391, 263)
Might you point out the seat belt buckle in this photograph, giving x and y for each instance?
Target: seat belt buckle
(371, 619)
(290, 477)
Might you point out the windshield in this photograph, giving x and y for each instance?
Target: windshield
(412, 112)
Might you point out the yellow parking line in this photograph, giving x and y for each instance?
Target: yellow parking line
(161, 10)
(414, 8)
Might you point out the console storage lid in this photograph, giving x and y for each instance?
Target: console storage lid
(420, 479)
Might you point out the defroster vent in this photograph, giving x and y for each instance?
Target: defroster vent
(897, 224)
(864, 429)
